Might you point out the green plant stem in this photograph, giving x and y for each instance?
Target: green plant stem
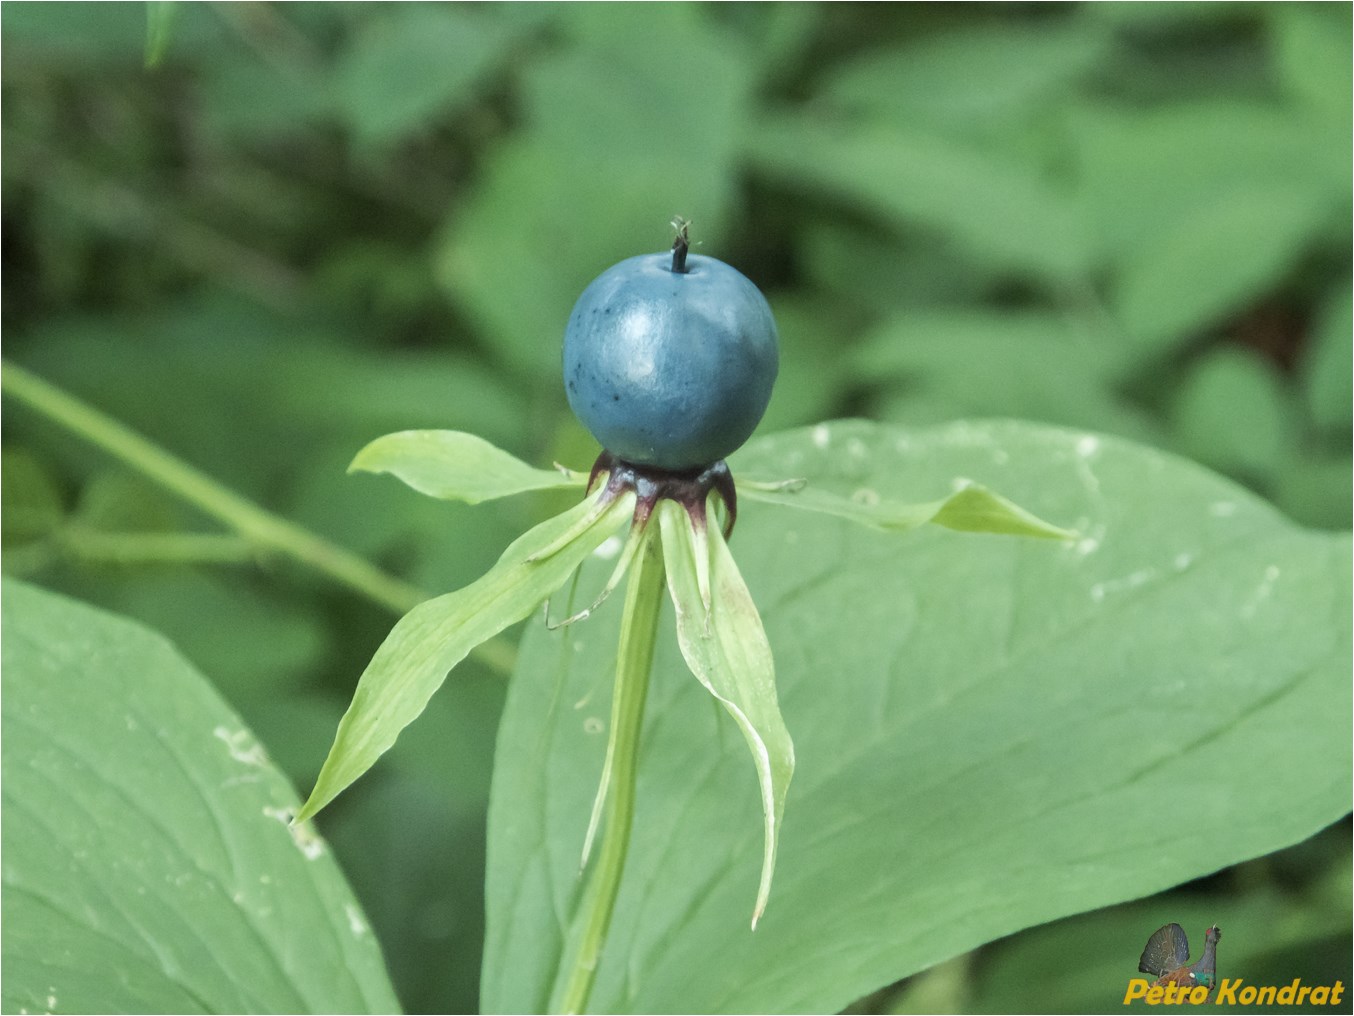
(639, 628)
(260, 528)
(154, 548)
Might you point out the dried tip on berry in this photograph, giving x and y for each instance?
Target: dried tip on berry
(681, 244)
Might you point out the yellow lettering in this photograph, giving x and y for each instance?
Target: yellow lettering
(1246, 996)
(1137, 988)
(1335, 992)
(1320, 994)
(1154, 994)
(1227, 991)
(1303, 992)
(1287, 993)
(1198, 994)
(1265, 996)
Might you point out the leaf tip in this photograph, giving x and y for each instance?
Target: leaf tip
(317, 801)
(306, 813)
(756, 916)
(359, 463)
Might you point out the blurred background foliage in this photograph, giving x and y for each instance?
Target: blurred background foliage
(307, 225)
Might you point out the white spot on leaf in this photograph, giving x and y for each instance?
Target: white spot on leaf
(1091, 538)
(593, 725)
(307, 840)
(1088, 447)
(355, 922)
(1222, 509)
(242, 746)
(1103, 589)
(822, 436)
(1262, 591)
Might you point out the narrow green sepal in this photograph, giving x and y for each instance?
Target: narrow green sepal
(971, 509)
(727, 650)
(456, 466)
(436, 635)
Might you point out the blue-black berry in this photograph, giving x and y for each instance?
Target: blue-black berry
(667, 367)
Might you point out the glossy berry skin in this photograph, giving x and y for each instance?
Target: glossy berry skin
(670, 369)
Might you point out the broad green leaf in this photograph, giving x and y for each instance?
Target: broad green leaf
(243, 95)
(1035, 365)
(117, 500)
(290, 385)
(998, 211)
(642, 110)
(436, 635)
(413, 64)
(812, 372)
(1203, 203)
(977, 75)
(91, 33)
(1233, 413)
(933, 340)
(1213, 258)
(778, 36)
(456, 466)
(380, 518)
(1148, 173)
(149, 865)
(725, 646)
(1313, 488)
(32, 506)
(1330, 362)
(990, 733)
(1269, 937)
(1310, 44)
(877, 275)
(413, 843)
(260, 644)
